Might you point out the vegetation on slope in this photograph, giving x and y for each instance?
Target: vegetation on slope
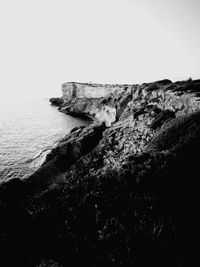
(122, 196)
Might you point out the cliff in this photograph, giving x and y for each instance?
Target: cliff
(161, 94)
(121, 192)
(94, 101)
(71, 90)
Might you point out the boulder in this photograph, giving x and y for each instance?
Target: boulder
(56, 101)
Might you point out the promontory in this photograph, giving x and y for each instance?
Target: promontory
(123, 191)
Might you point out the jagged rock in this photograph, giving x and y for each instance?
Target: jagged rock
(123, 195)
(161, 117)
(57, 101)
(71, 148)
(107, 109)
(179, 134)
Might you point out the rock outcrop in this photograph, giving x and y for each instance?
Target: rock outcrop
(121, 192)
(106, 109)
(56, 101)
(72, 90)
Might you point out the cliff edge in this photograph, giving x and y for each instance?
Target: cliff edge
(120, 192)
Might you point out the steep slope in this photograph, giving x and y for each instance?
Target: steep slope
(125, 195)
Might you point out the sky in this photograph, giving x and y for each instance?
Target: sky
(44, 43)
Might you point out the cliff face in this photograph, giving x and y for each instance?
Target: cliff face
(121, 192)
(176, 97)
(71, 90)
(94, 100)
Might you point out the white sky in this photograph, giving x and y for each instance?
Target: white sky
(44, 43)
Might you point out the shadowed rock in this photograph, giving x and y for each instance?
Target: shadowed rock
(56, 101)
(126, 195)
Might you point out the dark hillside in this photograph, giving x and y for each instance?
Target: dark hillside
(123, 195)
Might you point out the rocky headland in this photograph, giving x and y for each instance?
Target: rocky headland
(123, 191)
(56, 101)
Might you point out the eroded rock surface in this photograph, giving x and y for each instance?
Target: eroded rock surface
(122, 195)
(56, 101)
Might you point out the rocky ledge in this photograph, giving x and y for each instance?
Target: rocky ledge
(56, 101)
(121, 192)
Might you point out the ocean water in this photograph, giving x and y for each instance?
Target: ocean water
(29, 128)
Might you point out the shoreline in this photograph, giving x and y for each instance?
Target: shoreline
(120, 191)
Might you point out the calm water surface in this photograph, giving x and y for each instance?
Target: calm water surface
(29, 128)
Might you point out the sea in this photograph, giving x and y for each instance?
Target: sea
(29, 128)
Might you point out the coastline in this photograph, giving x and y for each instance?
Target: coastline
(116, 192)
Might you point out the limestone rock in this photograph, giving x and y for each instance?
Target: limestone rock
(125, 194)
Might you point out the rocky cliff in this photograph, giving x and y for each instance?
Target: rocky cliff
(72, 90)
(121, 192)
(95, 101)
